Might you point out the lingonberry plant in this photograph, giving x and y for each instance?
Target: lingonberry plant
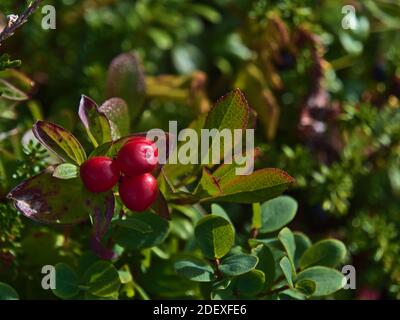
(164, 231)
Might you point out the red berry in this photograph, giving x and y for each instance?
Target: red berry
(138, 192)
(99, 174)
(138, 156)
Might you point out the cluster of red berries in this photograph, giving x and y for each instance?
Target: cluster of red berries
(135, 160)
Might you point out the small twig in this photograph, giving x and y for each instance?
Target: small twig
(16, 21)
(216, 264)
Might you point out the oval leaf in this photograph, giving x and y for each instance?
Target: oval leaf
(306, 287)
(66, 171)
(67, 282)
(327, 281)
(102, 279)
(214, 235)
(237, 264)
(95, 122)
(286, 238)
(117, 114)
(261, 185)
(7, 292)
(287, 270)
(231, 111)
(195, 270)
(60, 141)
(153, 231)
(250, 283)
(126, 80)
(328, 253)
(276, 213)
(47, 199)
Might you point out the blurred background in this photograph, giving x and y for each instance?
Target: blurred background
(325, 84)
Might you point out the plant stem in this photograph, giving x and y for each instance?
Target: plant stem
(9, 30)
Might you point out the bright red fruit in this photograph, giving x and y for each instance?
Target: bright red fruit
(137, 156)
(99, 174)
(138, 192)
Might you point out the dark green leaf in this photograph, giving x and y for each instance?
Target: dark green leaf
(328, 253)
(7, 292)
(102, 279)
(307, 287)
(302, 244)
(135, 233)
(286, 237)
(327, 280)
(250, 283)
(237, 264)
(276, 213)
(287, 270)
(214, 235)
(67, 283)
(195, 270)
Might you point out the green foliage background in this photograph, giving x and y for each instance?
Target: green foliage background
(328, 114)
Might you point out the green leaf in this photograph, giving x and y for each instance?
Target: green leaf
(214, 235)
(327, 280)
(67, 282)
(237, 264)
(302, 244)
(102, 279)
(136, 232)
(230, 112)
(276, 213)
(7, 292)
(261, 185)
(249, 283)
(59, 141)
(328, 253)
(66, 171)
(286, 237)
(95, 122)
(117, 114)
(135, 224)
(287, 270)
(10, 92)
(195, 270)
(126, 80)
(266, 263)
(307, 287)
(47, 199)
(219, 211)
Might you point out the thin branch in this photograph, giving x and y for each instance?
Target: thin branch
(16, 21)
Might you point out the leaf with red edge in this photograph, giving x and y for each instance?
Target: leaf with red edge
(60, 141)
(117, 114)
(47, 199)
(261, 185)
(95, 122)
